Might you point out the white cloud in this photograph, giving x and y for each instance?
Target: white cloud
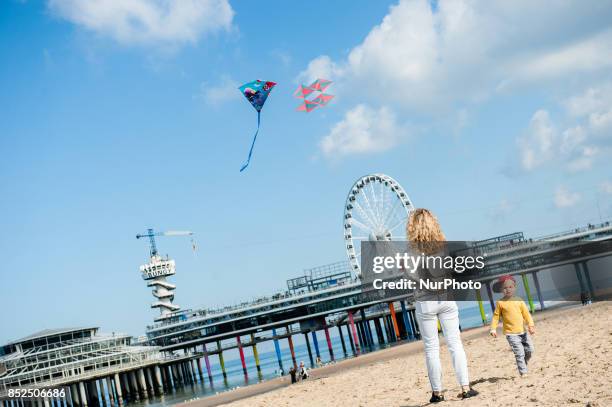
(224, 91)
(320, 67)
(606, 187)
(427, 58)
(363, 130)
(156, 22)
(564, 198)
(601, 122)
(537, 145)
(593, 99)
(588, 132)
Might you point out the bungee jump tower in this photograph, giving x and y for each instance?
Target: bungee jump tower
(155, 273)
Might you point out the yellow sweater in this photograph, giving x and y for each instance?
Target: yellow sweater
(514, 312)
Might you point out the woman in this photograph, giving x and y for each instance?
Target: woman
(424, 230)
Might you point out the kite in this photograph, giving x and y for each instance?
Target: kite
(316, 89)
(256, 93)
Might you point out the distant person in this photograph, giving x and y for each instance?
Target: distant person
(583, 298)
(423, 227)
(293, 373)
(515, 315)
(302, 372)
(319, 362)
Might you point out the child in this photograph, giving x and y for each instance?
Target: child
(514, 314)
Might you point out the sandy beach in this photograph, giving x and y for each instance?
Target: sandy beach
(572, 366)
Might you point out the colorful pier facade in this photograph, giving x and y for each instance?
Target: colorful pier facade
(331, 296)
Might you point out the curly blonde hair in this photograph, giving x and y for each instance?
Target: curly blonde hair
(423, 230)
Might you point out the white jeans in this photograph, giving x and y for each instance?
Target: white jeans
(428, 313)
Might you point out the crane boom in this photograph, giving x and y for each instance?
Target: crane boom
(151, 235)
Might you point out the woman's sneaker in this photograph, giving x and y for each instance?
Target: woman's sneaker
(436, 398)
(467, 394)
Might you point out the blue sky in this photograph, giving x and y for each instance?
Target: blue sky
(120, 117)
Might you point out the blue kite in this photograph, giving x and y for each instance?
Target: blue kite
(256, 92)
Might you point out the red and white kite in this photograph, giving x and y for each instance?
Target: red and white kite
(316, 93)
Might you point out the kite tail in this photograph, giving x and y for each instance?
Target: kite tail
(252, 144)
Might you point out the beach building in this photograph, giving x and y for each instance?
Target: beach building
(87, 365)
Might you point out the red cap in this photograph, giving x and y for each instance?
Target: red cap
(505, 278)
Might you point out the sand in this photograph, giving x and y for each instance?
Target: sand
(571, 367)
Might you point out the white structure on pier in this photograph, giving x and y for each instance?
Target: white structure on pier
(155, 273)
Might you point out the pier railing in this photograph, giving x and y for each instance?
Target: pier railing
(122, 359)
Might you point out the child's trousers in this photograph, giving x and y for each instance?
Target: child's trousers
(523, 349)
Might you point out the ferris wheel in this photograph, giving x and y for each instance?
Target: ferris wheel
(377, 208)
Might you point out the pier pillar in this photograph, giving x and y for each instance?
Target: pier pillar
(109, 388)
(171, 377)
(183, 372)
(364, 328)
(316, 343)
(329, 344)
(387, 329)
(278, 351)
(353, 331)
(360, 334)
(82, 394)
(309, 350)
(392, 328)
(365, 343)
(166, 383)
(125, 386)
(92, 389)
(180, 368)
(483, 315)
(118, 389)
(200, 370)
(291, 349)
(583, 288)
(342, 340)
(100, 384)
(174, 374)
(143, 383)
(350, 337)
(158, 379)
(256, 354)
(538, 290)
(193, 370)
(370, 334)
(221, 362)
(190, 371)
(74, 393)
(490, 294)
(149, 379)
(528, 292)
(587, 277)
(406, 320)
(379, 334)
(207, 362)
(134, 385)
(244, 369)
(208, 371)
(394, 320)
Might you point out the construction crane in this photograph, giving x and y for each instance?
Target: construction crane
(151, 235)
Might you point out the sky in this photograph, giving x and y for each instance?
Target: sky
(119, 116)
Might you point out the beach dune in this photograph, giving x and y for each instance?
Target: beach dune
(571, 367)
